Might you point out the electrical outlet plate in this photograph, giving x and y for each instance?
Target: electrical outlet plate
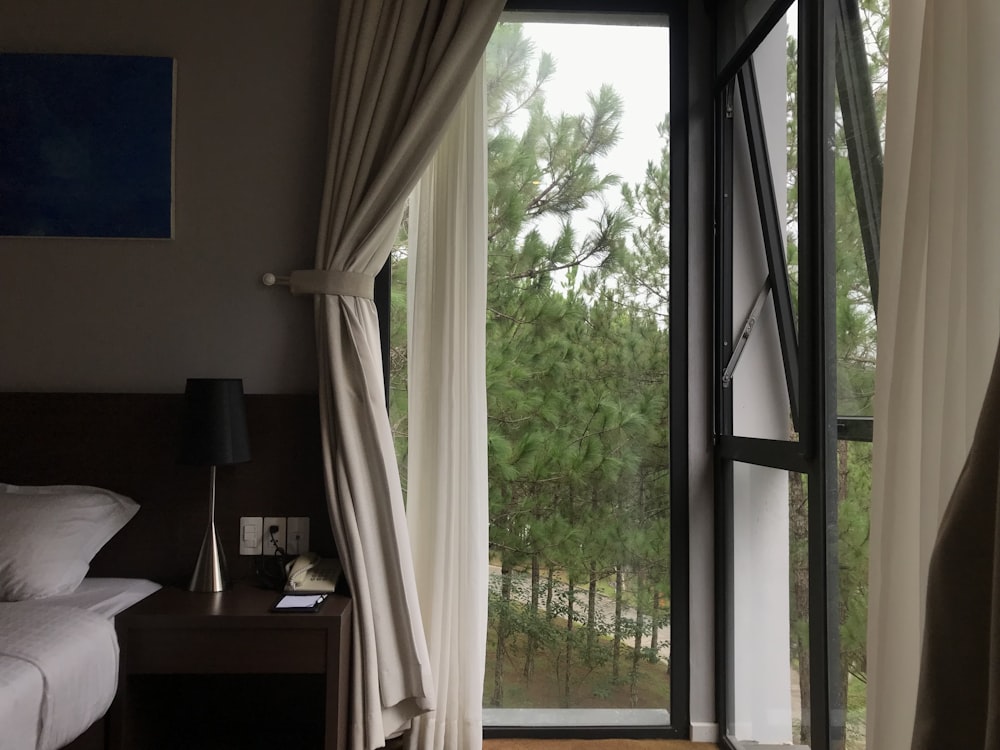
(279, 535)
(298, 535)
(251, 535)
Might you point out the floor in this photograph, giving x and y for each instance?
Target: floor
(525, 744)
(595, 745)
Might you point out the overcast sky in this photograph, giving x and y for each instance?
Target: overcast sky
(633, 59)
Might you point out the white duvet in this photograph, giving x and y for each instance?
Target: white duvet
(58, 673)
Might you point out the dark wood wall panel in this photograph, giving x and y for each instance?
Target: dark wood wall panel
(128, 443)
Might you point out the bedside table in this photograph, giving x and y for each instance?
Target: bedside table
(217, 665)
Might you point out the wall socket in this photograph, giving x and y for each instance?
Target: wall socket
(279, 535)
(292, 535)
(298, 535)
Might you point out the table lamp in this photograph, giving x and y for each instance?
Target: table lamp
(213, 433)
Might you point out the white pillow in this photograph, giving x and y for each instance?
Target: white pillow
(49, 535)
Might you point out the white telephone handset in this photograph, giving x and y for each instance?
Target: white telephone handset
(312, 573)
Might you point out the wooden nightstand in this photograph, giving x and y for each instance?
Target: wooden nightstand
(221, 670)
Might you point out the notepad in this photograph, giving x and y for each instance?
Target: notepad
(299, 603)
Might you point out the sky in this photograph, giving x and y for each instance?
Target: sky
(633, 59)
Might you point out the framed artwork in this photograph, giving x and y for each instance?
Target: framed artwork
(86, 146)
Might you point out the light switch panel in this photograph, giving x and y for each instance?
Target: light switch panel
(298, 535)
(251, 535)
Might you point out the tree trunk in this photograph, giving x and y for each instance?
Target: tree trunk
(548, 593)
(654, 622)
(536, 575)
(617, 647)
(569, 643)
(529, 657)
(503, 617)
(637, 647)
(591, 612)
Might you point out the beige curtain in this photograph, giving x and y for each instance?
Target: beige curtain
(400, 67)
(939, 319)
(447, 502)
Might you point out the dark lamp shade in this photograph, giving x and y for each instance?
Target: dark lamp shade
(214, 426)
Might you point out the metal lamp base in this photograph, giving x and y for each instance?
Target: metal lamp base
(210, 570)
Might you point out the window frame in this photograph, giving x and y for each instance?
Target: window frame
(679, 710)
(825, 27)
(680, 672)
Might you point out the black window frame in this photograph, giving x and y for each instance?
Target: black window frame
(830, 51)
(680, 673)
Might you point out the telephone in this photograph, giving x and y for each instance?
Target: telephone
(312, 573)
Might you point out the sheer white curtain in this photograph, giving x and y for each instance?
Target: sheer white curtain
(400, 67)
(939, 318)
(447, 489)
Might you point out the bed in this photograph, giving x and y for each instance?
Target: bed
(58, 649)
(59, 661)
(128, 443)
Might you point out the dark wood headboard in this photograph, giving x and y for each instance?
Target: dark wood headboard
(128, 443)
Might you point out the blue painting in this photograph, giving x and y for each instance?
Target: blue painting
(86, 146)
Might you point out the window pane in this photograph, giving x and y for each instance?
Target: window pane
(577, 360)
(853, 505)
(859, 131)
(858, 137)
(761, 402)
(768, 504)
(770, 607)
(771, 601)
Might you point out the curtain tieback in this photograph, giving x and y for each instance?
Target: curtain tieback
(339, 283)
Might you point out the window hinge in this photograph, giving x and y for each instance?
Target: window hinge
(748, 326)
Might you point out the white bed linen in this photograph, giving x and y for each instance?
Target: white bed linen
(59, 662)
(106, 596)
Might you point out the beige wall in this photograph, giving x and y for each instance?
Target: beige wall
(249, 140)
